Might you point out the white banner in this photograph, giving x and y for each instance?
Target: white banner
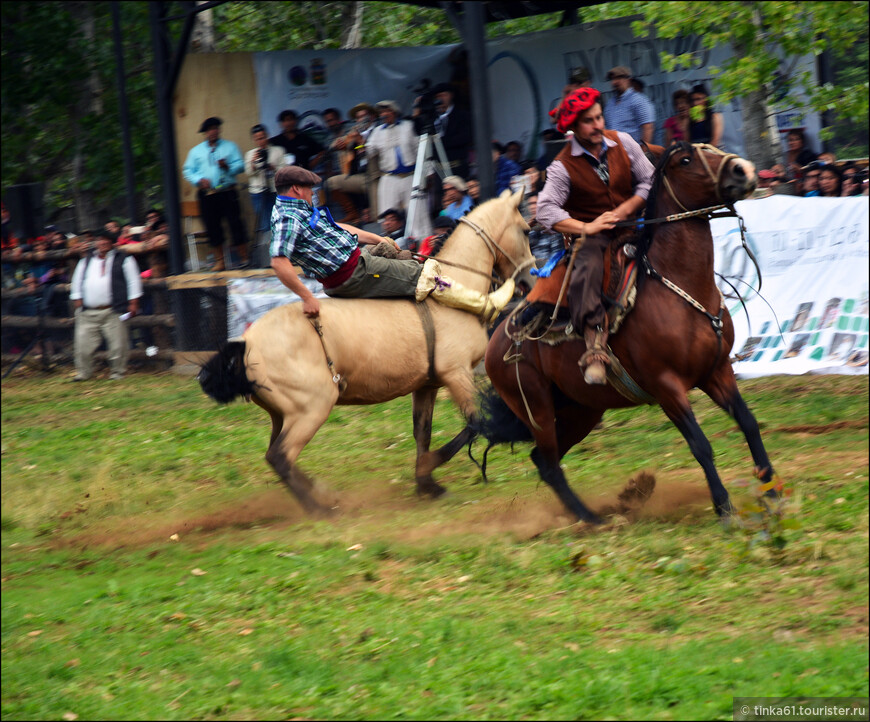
(812, 315)
(250, 298)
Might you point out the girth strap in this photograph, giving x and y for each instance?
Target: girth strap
(429, 332)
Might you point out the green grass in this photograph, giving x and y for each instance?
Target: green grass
(485, 604)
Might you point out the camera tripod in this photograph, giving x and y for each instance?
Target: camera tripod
(418, 190)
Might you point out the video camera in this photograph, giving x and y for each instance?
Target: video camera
(427, 108)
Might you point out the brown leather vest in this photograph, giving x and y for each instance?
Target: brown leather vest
(589, 197)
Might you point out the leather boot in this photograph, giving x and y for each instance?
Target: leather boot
(348, 207)
(595, 358)
(451, 293)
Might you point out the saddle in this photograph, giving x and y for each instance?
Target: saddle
(618, 287)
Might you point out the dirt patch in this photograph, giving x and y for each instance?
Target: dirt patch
(272, 507)
(823, 428)
(377, 506)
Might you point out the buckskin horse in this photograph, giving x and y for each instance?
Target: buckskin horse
(678, 336)
(366, 351)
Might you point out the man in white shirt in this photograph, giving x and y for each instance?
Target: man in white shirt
(105, 286)
(394, 143)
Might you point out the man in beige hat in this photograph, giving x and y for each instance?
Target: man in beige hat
(329, 251)
(394, 144)
(629, 111)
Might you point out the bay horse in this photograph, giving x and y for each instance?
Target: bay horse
(367, 351)
(677, 337)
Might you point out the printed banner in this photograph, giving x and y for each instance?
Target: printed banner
(812, 313)
(526, 74)
(250, 298)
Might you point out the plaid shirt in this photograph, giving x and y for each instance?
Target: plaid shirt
(320, 247)
(628, 112)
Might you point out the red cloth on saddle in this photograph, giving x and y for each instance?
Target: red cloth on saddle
(589, 197)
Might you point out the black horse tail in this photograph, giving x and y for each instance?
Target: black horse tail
(496, 423)
(223, 377)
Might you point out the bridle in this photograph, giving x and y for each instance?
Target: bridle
(715, 177)
(493, 247)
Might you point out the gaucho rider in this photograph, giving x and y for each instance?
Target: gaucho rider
(599, 178)
(329, 251)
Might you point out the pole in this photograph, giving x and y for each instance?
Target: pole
(120, 74)
(474, 38)
(167, 134)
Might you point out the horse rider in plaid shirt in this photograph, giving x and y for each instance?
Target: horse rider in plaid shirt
(330, 252)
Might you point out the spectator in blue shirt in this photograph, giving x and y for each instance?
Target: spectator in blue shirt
(505, 168)
(454, 197)
(629, 111)
(212, 167)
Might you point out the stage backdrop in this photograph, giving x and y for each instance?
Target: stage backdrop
(526, 72)
(811, 316)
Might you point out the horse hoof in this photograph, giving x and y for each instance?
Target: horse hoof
(430, 488)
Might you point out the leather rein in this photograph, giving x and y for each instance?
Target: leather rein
(492, 246)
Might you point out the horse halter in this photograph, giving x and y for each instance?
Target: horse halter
(495, 248)
(716, 177)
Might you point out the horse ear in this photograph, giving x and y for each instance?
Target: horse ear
(505, 193)
(517, 197)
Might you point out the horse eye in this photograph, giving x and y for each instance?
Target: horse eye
(685, 161)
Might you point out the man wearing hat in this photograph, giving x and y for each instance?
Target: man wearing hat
(329, 251)
(455, 127)
(454, 197)
(599, 178)
(394, 144)
(211, 167)
(356, 178)
(393, 223)
(629, 111)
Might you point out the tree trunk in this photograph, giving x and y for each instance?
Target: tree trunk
(91, 102)
(760, 134)
(202, 38)
(351, 33)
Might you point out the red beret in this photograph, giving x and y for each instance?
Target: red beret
(576, 103)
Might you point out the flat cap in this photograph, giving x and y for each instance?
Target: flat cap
(620, 71)
(210, 123)
(294, 175)
(456, 182)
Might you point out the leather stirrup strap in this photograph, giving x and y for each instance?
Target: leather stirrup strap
(429, 331)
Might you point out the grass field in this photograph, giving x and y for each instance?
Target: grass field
(152, 567)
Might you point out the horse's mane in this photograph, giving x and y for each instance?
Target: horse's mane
(646, 237)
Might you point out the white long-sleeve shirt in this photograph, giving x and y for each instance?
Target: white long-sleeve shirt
(94, 286)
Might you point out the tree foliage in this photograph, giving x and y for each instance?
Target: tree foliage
(60, 103)
(768, 39)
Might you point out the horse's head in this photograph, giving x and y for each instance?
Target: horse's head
(515, 258)
(690, 177)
